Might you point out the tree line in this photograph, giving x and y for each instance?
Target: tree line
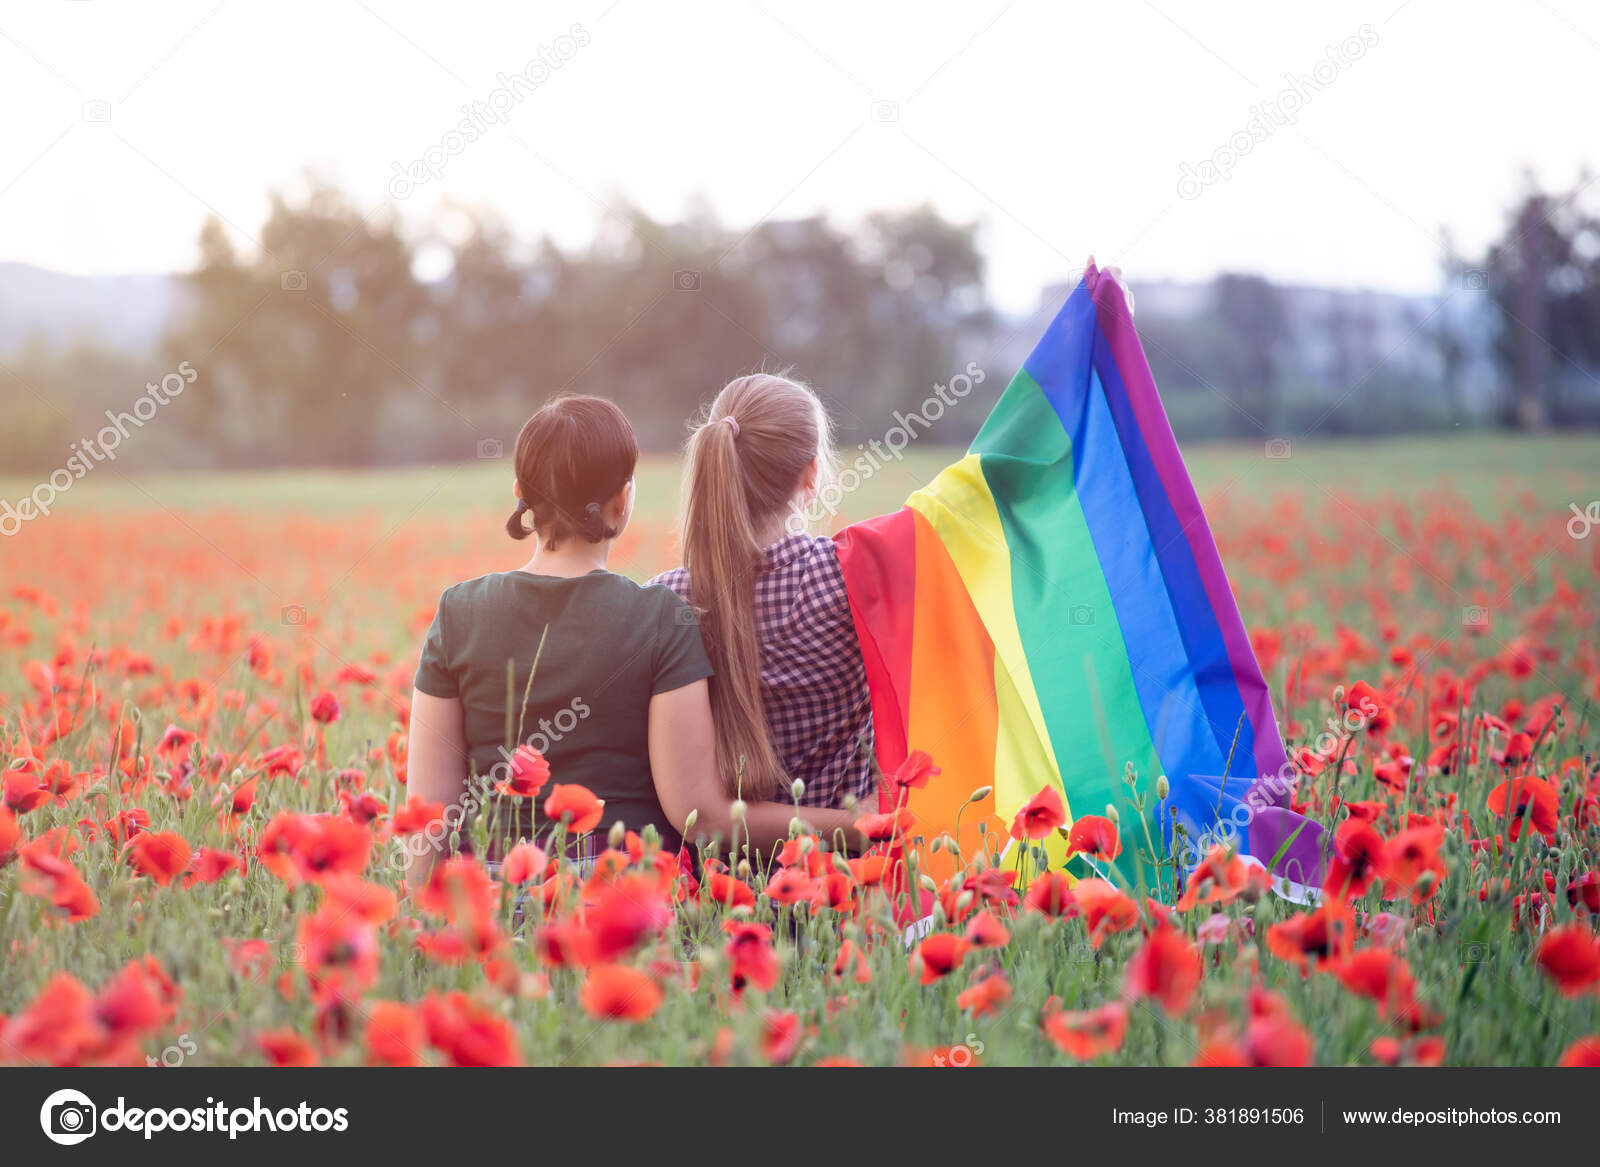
(340, 338)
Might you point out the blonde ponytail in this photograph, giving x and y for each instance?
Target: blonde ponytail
(745, 465)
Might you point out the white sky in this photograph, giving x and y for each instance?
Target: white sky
(1061, 126)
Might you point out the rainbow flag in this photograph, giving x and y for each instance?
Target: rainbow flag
(1051, 609)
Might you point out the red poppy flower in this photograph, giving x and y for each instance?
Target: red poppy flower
(523, 864)
(869, 870)
(1411, 863)
(724, 889)
(851, 963)
(10, 836)
(915, 771)
(1377, 975)
(753, 963)
(1096, 837)
(986, 996)
(162, 856)
(1220, 878)
(1357, 860)
(529, 773)
(1276, 1041)
(576, 806)
(416, 816)
(22, 791)
(395, 1034)
(468, 1032)
(881, 827)
(1043, 813)
(1527, 798)
(299, 848)
(1166, 969)
(1090, 1034)
(1393, 1051)
(615, 992)
(1361, 698)
(793, 886)
(628, 913)
(1583, 892)
(780, 1036)
(325, 708)
(1051, 894)
(211, 864)
(1583, 1052)
(986, 931)
(1105, 909)
(285, 1047)
(938, 956)
(1318, 939)
(1570, 956)
(459, 889)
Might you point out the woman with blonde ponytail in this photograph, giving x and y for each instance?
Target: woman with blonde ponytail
(789, 694)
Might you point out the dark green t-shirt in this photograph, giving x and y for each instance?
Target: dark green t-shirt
(609, 646)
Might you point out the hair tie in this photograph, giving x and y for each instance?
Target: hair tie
(733, 425)
(522, 505)
(592, 510)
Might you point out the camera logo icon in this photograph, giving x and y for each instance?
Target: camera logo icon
(1080, 615)
(1475, 618)
(293, 281)
(292, 615)
(1278, 449)
(490, 448)
(1475, 280)
(686, 280)
(97, 110)
(68, 1117)
(885, 111)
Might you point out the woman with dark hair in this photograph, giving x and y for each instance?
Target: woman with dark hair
(565, 663)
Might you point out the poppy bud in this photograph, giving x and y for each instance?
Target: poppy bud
(1111, 813)
(688, 823)
(963, 902)
(797, 788)
(840, 863)
(927, 883)
(796, 827)
(981, 793)
(737, 810)
(619, 831)
(743, 869)
(1162, 788)
(1338, 694)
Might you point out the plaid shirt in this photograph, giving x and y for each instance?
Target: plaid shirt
(813, 684)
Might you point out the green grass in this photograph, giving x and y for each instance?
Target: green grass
(1487, 470)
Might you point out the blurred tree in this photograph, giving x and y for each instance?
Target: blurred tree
(299, 347)
(1253, 323)
(1544, 277)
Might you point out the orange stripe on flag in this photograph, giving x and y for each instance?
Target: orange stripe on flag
(954, 716)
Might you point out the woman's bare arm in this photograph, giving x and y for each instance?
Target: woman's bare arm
(683, 760)
(436, 766)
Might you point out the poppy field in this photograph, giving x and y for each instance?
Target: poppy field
(204, 819)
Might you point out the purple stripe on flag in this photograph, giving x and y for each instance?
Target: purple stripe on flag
(1117, 326)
